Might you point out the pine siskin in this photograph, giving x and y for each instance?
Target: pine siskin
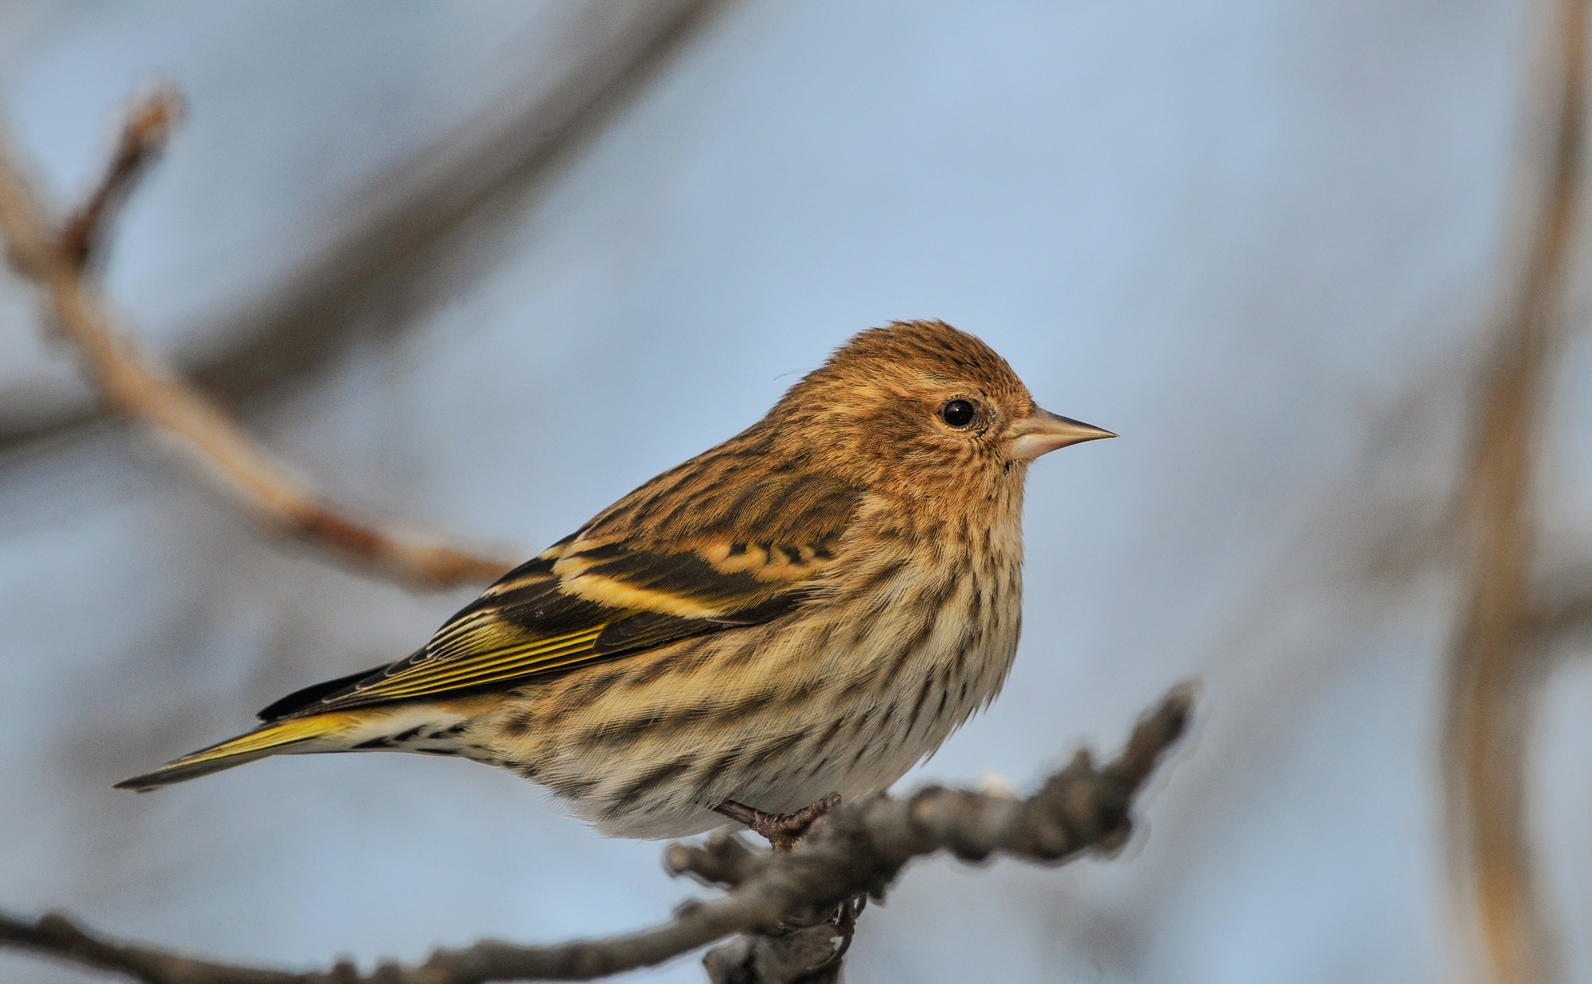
(810, 607)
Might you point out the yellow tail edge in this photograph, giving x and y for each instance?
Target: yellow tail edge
(265, 740)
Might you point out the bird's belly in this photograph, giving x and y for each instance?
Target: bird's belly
(774, 717)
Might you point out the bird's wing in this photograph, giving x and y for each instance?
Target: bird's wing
(619, 586)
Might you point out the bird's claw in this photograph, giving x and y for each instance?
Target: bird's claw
(783, 831)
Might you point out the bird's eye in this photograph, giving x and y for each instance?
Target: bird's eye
(958, 413)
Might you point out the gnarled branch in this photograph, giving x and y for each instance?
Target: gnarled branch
(858, 849)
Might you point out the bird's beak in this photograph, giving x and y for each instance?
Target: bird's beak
(1042, 431)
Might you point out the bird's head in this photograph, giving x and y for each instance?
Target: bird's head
(922, 407)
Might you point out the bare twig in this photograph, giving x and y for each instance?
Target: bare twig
(859, 848)
(1485, 730)
(130, 383)
(144, 132)
(57, 936)
(408, 219)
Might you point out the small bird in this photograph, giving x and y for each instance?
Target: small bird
(809, 608)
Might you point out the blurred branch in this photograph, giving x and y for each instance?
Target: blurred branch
(143, 137)
(1486, 715)
(405, 220)
(1551, 621)
(130, 383)
(859, 848)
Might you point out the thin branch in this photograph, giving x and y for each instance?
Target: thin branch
(1485, 728)
(129, 382)
(858, 848)
(57, 936)
(414, 216)
(144, 133)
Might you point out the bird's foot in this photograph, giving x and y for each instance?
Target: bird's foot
(782, 830)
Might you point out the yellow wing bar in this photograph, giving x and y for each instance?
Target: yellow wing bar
(431, 676)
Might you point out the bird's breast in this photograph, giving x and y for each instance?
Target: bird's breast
(933, 632)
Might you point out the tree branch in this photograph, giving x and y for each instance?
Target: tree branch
(129, 382)
(1485, 728)
(1552, 621)
(858, 848)
(406, 219)
(144, 133)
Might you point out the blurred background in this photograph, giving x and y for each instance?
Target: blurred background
(487, 266)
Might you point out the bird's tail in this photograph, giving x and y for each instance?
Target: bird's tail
(292, 735)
